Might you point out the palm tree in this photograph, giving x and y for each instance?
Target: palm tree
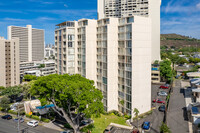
(136, 112)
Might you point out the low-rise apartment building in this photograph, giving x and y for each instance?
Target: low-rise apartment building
(37, 68)
(155, 74)
(9, 62)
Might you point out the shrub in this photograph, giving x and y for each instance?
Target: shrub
(45, 120)
(127, 116)
(164, 128)
(117, 113)
(33, 117)
(12, 112)
(67, 126)
(88, 128)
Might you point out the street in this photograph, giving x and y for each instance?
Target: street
(176, 115)
(9, 126)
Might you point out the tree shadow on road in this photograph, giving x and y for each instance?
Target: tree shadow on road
(186, 92)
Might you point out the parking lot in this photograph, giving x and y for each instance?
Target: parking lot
(156, 118)
(154, 90)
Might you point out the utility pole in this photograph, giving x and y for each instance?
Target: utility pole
(18, 130)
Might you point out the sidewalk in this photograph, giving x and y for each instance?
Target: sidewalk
(54, 126)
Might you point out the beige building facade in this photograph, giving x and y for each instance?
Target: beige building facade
(116, 54)
(145, 8)
(31, 42)
(9, 62)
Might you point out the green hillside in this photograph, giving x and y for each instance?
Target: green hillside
(178, 41)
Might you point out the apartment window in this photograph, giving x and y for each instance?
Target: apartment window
(130, 20)
(70, 44)
(129, 44)
(71, 37)
(104, 80)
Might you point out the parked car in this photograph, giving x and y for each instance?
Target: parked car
(7, 117)
(164, 86)
(146, 125)
(68, 131)
(108, 129)
(32, 123)
(21, 120)
(162, 108)
(162, 93)
(84, 122)
(159, 101)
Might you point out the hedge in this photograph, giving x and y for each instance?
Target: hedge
(37, 118)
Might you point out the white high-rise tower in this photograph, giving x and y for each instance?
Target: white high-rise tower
(125, 8)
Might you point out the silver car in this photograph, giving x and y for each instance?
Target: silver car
(162, 93)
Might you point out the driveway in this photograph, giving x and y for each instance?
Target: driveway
(176, 116)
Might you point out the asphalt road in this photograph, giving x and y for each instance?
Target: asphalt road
(176, 117)
(9, 126)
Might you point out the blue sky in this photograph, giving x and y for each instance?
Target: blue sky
(177, 16)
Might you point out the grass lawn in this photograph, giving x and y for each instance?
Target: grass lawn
(101, 123)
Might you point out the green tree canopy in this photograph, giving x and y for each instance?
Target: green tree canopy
(166, 70)
(2, 88)
(69, 91)
(30, 77)
(4, 103)
(42, 66)
(12, 92)
(182, 61)
(194, 60)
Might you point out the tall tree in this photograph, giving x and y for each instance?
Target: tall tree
(166, 70)
(136, 112)
(67, 91)
(4, 103)
(12, 92)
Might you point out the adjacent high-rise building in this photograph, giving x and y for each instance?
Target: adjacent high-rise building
(9, 62)
(145, 8)
(115, 53)
(31, 42)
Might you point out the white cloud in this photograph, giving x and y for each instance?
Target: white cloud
(198, 5)
(65, 5)
(14, 19)
(181, 6)
(12, 11)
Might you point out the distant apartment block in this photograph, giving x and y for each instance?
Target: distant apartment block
(49, 52)
(115, 53)
(145, 8)
(37, 68)
(9, 62)
(31, 42)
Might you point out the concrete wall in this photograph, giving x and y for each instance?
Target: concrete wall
(154, 14)
(90, 50)
(112, 64)
(141, 64)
